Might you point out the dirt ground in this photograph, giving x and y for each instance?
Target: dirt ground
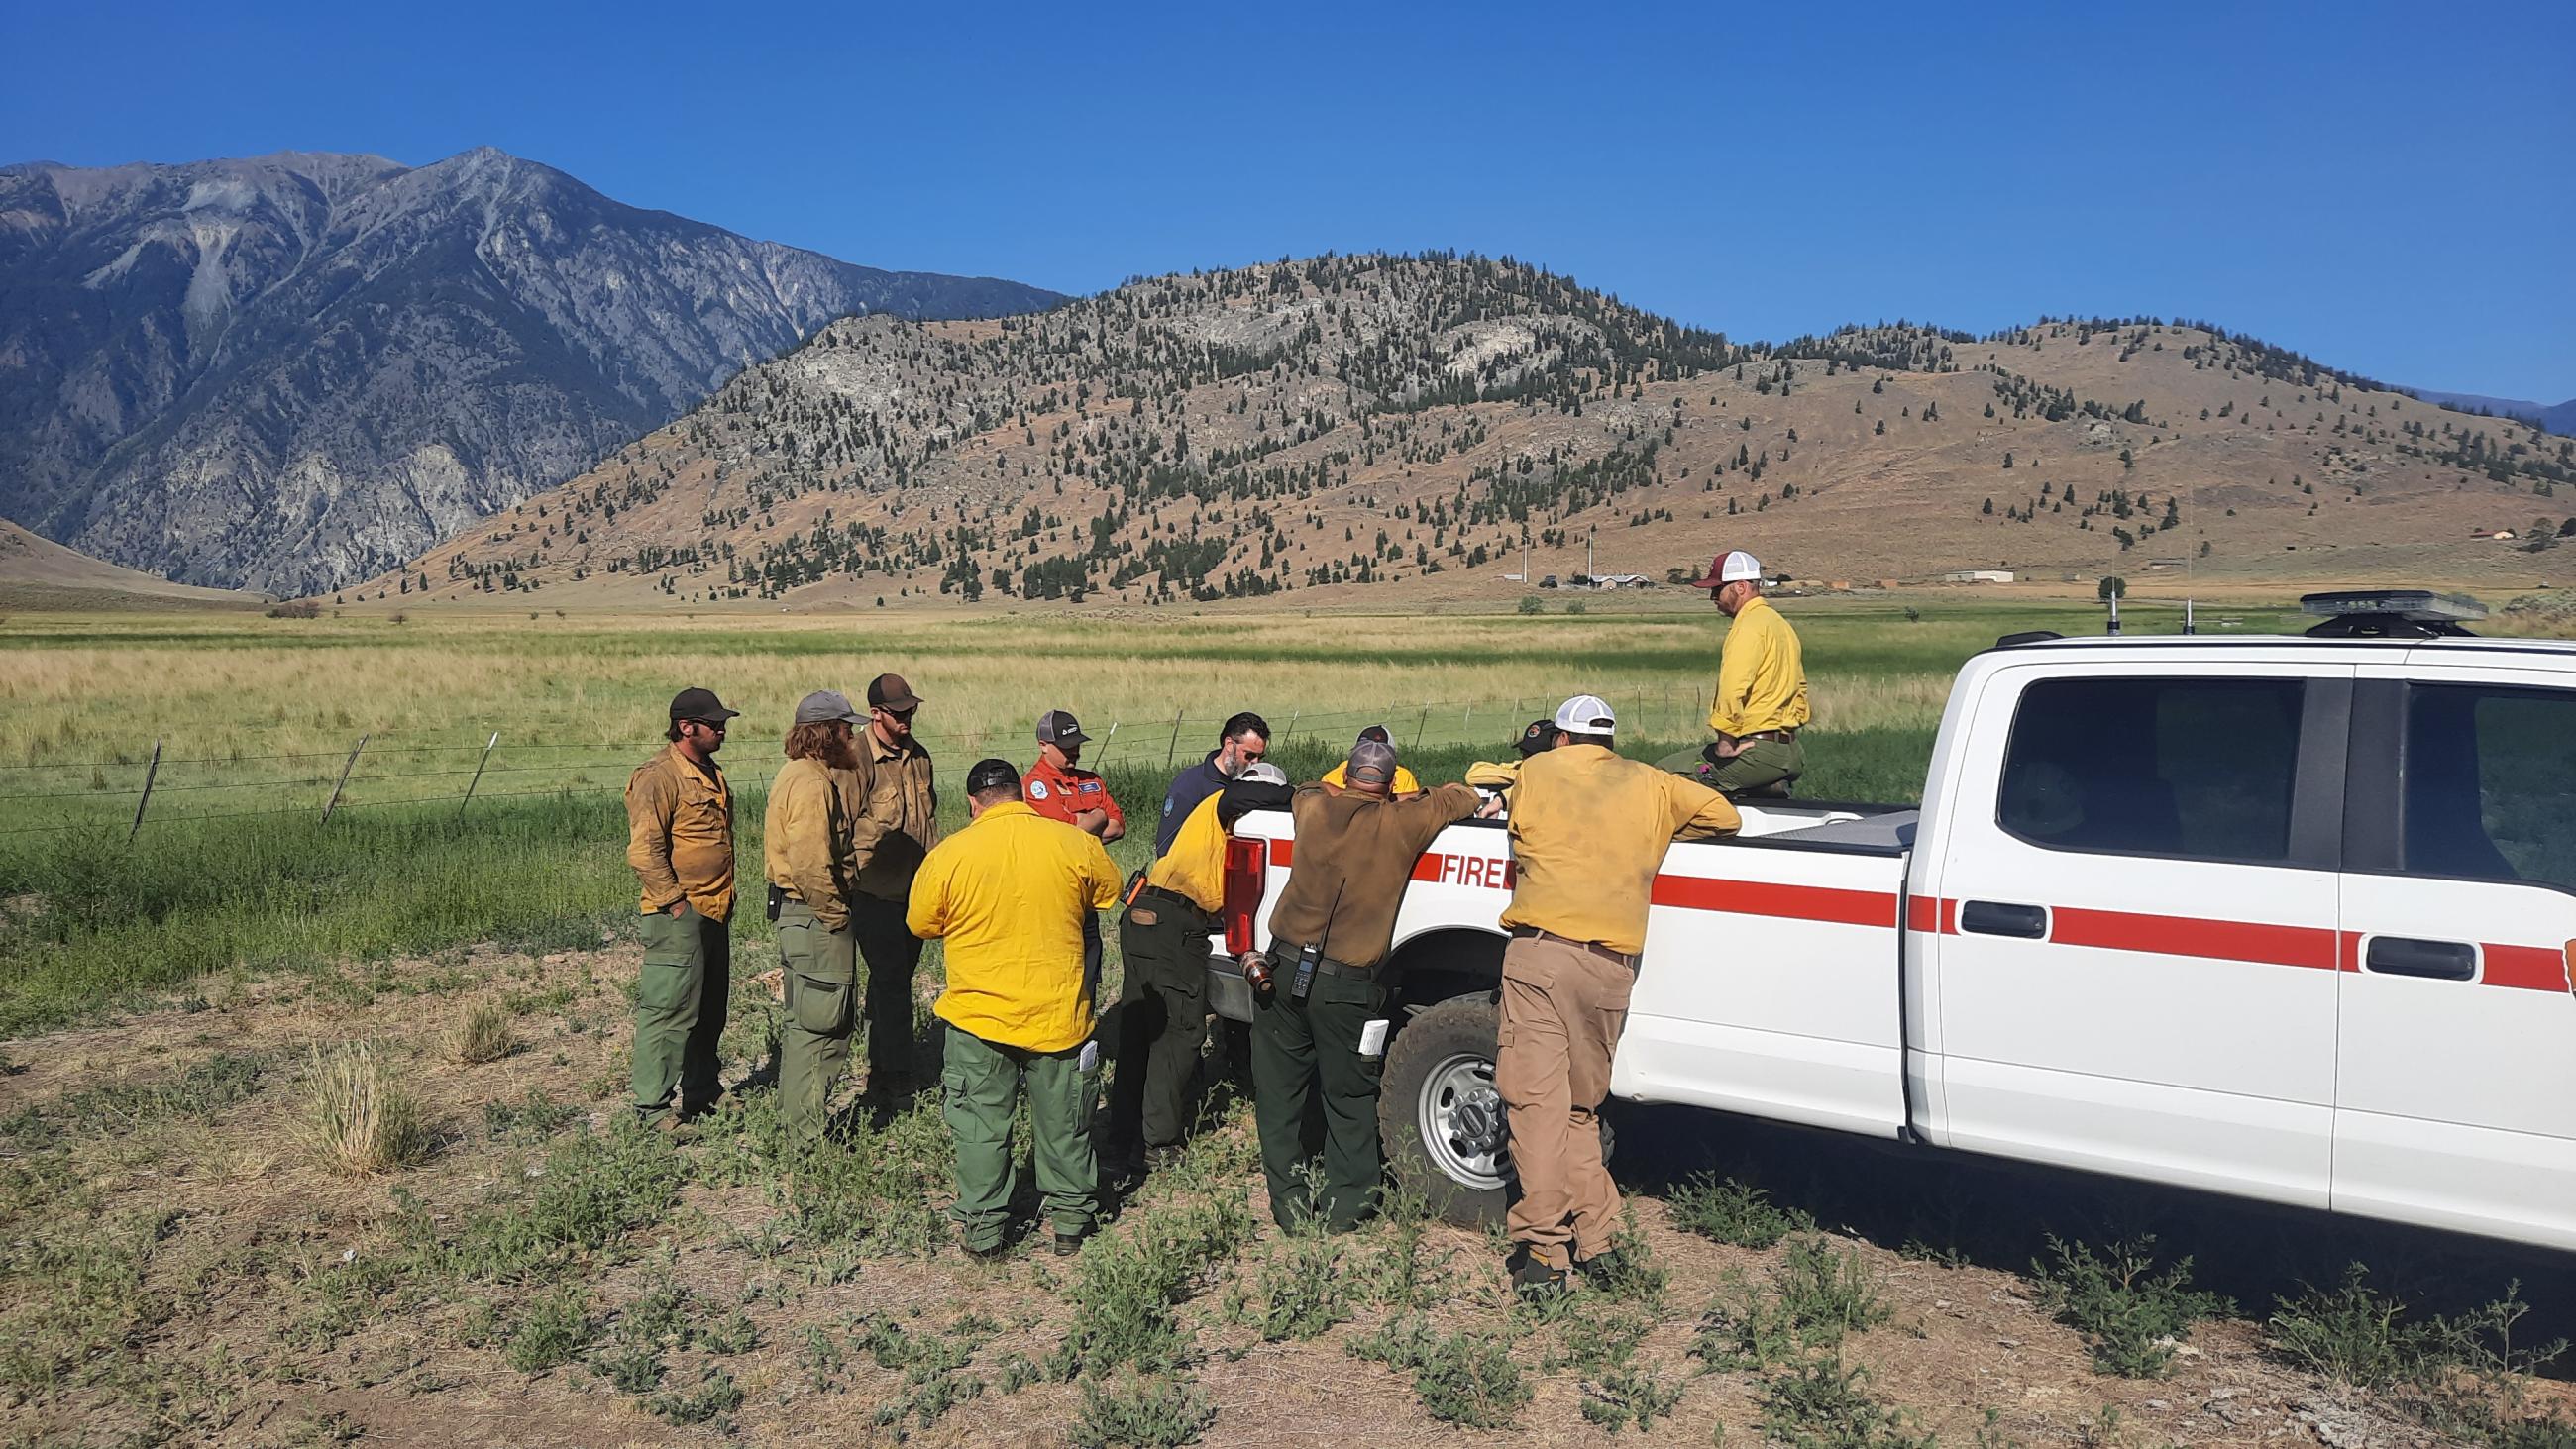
(188, 1269)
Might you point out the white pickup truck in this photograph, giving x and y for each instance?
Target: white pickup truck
(2289, 918)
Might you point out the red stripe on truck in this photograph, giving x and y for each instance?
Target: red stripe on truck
(2533, 968)
(2530, 968)
(2191, 936)
(1789, 902)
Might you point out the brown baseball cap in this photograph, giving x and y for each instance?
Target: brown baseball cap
(888, 691)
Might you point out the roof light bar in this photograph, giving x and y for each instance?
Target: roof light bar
(2419, 606)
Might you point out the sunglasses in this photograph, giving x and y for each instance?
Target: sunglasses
(904, 715)
(712, 726)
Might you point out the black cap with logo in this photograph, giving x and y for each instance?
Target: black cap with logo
(1536, 739)
(993, 775)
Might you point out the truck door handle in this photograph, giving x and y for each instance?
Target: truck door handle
(1994, 918)
(2440, 960)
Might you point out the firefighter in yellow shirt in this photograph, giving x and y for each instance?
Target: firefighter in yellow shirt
(1407, 785)
(1008, 894)
(1761, 699)
(1589, 830)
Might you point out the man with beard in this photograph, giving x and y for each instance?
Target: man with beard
(894, 820)
(806, 847)
(679, 839)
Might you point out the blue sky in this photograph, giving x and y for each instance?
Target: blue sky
(2389, 188)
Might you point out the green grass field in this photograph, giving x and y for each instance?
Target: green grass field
(233, 871)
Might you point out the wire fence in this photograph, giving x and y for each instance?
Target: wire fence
(164, 782)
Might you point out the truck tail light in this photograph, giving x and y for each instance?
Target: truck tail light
(1246, 862)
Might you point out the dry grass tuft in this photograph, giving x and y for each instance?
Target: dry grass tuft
(483, 1035)
(361, 1119)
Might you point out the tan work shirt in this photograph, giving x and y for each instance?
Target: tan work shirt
(679, 834)
(805, 840)
(1355, 856)
(894, 815)
(1589, 830)
(1761, 674)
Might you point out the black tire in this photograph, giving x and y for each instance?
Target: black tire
(1443, 1055)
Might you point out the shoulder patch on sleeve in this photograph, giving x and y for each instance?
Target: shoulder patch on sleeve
(1037, 789)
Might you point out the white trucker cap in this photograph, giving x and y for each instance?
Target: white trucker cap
(1586, 714)
(1739, 567)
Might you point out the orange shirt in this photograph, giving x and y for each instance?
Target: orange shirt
(1063, 794)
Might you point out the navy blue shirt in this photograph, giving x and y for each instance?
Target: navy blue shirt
(1189, 787)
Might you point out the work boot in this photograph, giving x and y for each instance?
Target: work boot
(1605, 1269)
(1068, 1244)
(1533, 1280)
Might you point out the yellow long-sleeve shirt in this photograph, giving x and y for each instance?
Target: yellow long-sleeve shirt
(1008, 894)
(679, 835)
(805, 840)
(1194, 868)
(1761, 674)
(1588, 831)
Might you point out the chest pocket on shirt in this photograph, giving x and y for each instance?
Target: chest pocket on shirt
(701, 809)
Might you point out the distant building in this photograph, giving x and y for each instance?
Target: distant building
(1622, 581)
(1979, 576)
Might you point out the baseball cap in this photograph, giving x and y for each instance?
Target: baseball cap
(888, 691)
(1732, 567)
(992, 775)
(1377, 733)
(1535, 739)
(1372, 761)
(824, 706)
(1586, 714)
(1264, 773)
(700, 704)
(1059, 727)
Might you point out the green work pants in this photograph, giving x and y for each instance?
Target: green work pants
(893, 955)
(1162, 1021)
(980, 1083)
(680, 998)
(1306, 1060)
(821, 971)
(1761, 764)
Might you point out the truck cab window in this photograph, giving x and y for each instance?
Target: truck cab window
(2194, 768)
(2490, 783)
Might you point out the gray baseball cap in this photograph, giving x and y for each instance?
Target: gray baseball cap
(1372, 762)
(825, 705)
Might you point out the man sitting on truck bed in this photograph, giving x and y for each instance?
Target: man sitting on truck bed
(1588, 831)
(1761, 700)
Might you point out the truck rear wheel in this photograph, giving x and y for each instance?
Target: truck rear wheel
(1439, 1116)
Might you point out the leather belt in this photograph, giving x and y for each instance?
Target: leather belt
(1616, 958)
(1283, 958)
(1782, 736)
(1174, 898)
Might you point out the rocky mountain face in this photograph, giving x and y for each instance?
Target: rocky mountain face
(297, 370)
(1441, 427)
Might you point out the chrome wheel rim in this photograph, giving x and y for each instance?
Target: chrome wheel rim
(1462, 1122)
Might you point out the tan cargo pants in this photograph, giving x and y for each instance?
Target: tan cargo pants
(1562, 1009)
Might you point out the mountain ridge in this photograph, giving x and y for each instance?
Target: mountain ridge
(297, 369)
(1333, 425)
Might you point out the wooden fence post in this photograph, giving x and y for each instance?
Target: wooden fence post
(345, 767)
(478, 774)
(150, 772)
(1174, 752)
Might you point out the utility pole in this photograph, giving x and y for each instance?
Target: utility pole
(1591, 536)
